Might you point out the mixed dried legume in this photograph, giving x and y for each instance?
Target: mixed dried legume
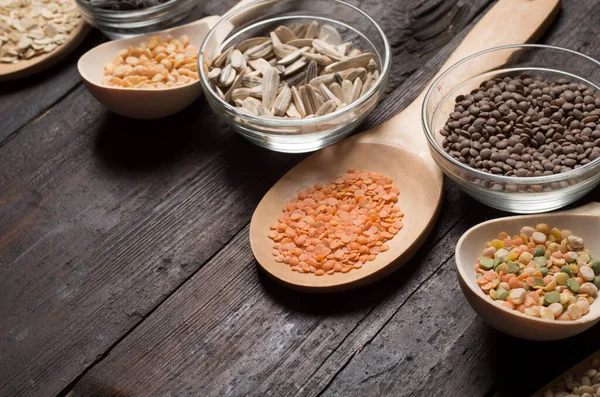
(154, 64)
(541, 272)
(339, 226)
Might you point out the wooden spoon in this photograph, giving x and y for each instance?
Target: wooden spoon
(145, 103)
(398, 149)
(26, 67)
(576, 371)
(583, 222)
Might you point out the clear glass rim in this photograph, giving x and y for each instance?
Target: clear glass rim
(282, 122)
(127, 14)
(509, 180)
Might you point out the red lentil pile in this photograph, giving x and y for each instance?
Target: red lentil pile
(340, 226)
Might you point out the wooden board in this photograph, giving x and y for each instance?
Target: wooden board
(97, 257)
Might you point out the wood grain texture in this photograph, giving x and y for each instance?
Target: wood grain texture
(125, 268)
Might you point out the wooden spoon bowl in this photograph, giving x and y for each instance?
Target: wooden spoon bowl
(398, 149)
(583, 222)
(26, 67)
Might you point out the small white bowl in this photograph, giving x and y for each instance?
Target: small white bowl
(142, 103)
(583, 221)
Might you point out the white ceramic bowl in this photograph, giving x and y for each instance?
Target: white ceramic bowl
(584, 222)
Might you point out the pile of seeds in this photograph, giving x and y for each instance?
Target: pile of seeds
(154, 64)
(299, 71)
(542, 272)
(125, 5)
(29, 28)
(586, 384)
(340, 226)
(525, 127)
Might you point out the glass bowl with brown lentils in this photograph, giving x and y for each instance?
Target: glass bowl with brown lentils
(522, 136)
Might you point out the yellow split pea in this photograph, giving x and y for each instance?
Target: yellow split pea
(155, 63)
(340, 226)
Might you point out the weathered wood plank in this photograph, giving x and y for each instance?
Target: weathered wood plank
(275, 345)
(102, 218)
(25, 99)
(231, 331)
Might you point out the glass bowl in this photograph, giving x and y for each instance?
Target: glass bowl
(123, 24)
(261, 17)
(508, 193)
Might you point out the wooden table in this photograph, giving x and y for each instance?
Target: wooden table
(125, 267)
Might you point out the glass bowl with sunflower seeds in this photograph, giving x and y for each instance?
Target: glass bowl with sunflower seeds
(294, 76)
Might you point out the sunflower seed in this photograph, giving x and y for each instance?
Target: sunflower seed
(375, 74)
(309, 99)
(357, 61)
(236, 84)
(219, 92)
(251, 81)
(321, 60)
(291, 26)
(252, 42)
(295, 67)
(294, 56)
(312, 31)
(328, 95)
(325, 79)
(354, 52)
(327, 50)
(292, 112)
(283, 50)
(264, 112)
(352, 74)
(347, 91)
(311, 71)
(260, 65)
(282, 102)
(337, 91)
(326, 108)
(284, 34)
(213, 74)
(296, 79)
(280, 68)
(299, 30)
(331, 33)
(227, 76)
(356, 89)
(220, 60)
(344, 47)
(338, 78)
(270, 85)
(372, 65)
(298, 102)
(240, 93)
(238, 60)
(275, 39)
(299, 43)
(257, 92)
(369, 80)
(259, 51)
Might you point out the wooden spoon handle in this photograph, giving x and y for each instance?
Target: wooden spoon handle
(507, 22)
(592, 208)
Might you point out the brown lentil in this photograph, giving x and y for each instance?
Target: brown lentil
(525, 126)
(339, 226)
